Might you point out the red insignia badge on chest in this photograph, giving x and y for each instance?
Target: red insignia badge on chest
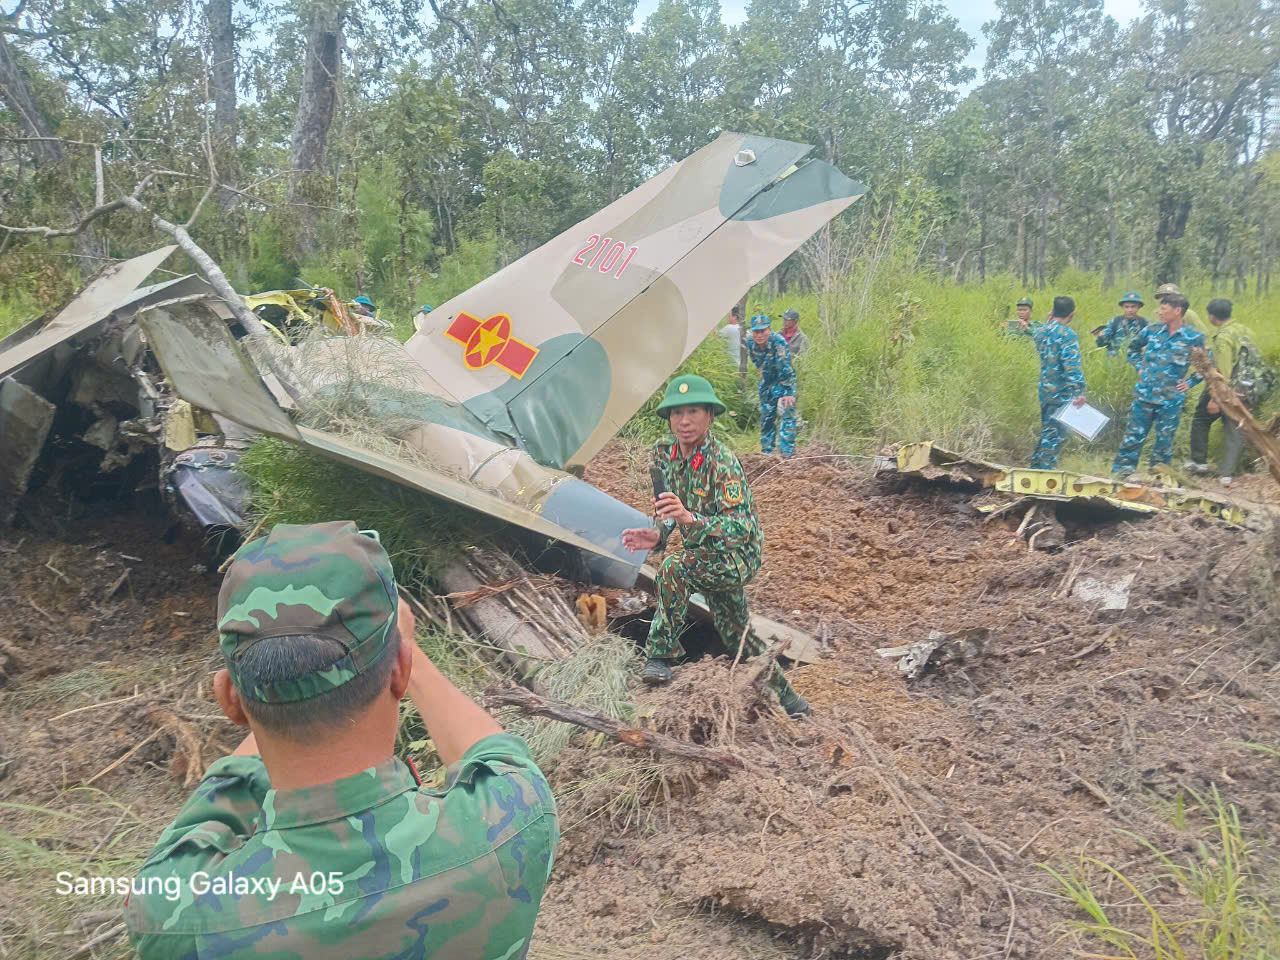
(697, 460)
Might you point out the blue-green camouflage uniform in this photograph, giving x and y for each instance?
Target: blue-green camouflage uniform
(1061, 381)
(373, 865)
(1162, 359)
(777, 380)
(1119, 331)
(453, 873)
(722, 552)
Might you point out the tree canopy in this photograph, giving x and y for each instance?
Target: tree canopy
(401, 148)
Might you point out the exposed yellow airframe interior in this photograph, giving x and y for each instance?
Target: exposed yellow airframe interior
(930, 461)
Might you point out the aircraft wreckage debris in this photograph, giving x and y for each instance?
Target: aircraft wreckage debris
(927, 460)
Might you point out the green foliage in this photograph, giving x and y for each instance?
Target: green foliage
(710, 360)
(270, 267)
(473, 261)
(929, 360)
(292, 485)
(1214, 903)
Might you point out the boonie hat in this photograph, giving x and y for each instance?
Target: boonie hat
(316, 579)
(761, 321)
(689, 389)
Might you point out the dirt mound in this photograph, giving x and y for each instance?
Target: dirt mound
(902, 818)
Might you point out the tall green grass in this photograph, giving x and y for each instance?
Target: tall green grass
(913, 359)
(1213, 902)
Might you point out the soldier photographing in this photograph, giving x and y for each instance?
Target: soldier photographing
(319, 651)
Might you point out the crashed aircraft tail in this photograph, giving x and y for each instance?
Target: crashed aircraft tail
(558, 350)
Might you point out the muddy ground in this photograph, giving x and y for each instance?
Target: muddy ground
(902, 820)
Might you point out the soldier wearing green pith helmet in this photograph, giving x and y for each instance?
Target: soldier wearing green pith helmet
(707, 496)
(311, 840)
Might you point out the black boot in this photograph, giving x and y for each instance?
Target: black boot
(794, 704)
(656, 673)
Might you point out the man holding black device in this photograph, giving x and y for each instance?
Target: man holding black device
(311, 840)
(699, 485)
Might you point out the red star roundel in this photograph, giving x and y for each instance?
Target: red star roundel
(490, 341)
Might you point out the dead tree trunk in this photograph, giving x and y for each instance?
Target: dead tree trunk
(17, 96)
(316, 106)
(222, 43)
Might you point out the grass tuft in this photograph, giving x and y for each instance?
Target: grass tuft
(1215, 903)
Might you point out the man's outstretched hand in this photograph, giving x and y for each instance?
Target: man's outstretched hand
(640, 538)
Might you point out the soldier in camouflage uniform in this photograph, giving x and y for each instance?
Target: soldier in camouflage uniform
(1117, 332)
(1061, 378)
(708, 497)
(772, 357)
(1162, 353)
(311, 840)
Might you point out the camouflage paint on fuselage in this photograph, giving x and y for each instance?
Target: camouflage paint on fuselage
(616, 303)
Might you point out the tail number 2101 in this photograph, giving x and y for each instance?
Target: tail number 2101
(605, 254)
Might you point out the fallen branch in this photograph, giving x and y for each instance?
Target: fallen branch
(109, 934)
(530, 703)
(1232, 406)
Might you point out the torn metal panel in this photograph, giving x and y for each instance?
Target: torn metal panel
(25, 419)
(201, 359)
(209, 370)
(926, 460)
(107, 293)
(209, 484)
(934, 463)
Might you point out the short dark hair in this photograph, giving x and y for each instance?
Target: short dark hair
(735, 310)
(1219, 307)
(288, 658)
(1063, 306)
(1178, 301)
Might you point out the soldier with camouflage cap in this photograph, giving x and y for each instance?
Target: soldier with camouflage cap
(772, 357)
(1120, 329)
(311, 840)
(1162, 355)
(708, 497)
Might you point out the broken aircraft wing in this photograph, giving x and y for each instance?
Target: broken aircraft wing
(209, 369)
(558, 350)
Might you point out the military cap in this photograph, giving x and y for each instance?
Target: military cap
(1133, 296)
(792, 314)
(761, 321)
(1168, 290)
(365, 300)
(689, 389)
(317, 579)
(1024, 302)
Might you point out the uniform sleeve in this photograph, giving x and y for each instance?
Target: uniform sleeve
(220, 816)
(1073, 374)
(1108, 336)
(1195, 379)
(1137, 345)
(1226, 352)
(728, 519)
(786, 370)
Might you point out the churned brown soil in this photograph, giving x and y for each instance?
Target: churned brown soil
(902, 820)
(902, 817)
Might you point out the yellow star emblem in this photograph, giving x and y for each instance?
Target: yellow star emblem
(488, 340)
